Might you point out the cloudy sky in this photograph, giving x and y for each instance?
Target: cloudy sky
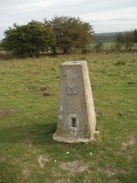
(103, 15)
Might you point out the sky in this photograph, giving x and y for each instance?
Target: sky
(103, 15)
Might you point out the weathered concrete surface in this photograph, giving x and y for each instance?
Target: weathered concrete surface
(76, 113)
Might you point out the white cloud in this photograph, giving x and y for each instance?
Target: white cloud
(111, 14)
(113, 20)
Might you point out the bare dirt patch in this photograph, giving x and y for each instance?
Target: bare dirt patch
(60, 181)
(26, 173)
(131, 141)
(44, 91)
(111, 172)
(42, 160)
(74, 167)
(6, 112)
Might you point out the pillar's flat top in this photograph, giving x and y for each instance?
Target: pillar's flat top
(79, 62)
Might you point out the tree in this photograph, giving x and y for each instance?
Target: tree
(119, 41)
(28, 40)
(135, 35)
(129, 40)
(70, 33)
(126, 39)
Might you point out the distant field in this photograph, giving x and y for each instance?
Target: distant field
(111, 45)
(28, 118)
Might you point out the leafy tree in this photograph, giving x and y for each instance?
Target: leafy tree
(119, 41)
(98, 46)
(129, 40)
(70, 33)
(0, 46)
(126, 39)
(28, 40)
(135, 35)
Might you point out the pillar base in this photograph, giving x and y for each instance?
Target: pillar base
(72, 139)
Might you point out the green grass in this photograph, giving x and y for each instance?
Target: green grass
(28, 118)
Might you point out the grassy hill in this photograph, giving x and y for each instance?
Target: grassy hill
(28, 118)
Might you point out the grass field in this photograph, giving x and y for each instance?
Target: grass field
(109, 46)
(28, 118)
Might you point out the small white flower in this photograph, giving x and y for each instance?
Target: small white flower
(67, 152)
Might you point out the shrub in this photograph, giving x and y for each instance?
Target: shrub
(28, 40)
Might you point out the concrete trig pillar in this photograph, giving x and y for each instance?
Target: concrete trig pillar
(76, 113)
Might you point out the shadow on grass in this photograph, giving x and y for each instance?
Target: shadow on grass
(129, 178)
(40, 135)
(6, 175)
(36, 134)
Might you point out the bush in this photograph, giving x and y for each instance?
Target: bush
(126, 39)
(28, 40)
